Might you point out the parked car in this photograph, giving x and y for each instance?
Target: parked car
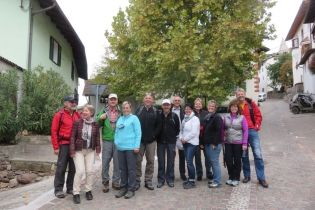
(222, 110)
(262, 97)
(302, 102)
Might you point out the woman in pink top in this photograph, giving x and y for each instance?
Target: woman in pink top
(234, 134)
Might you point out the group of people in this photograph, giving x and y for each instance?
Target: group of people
(127, 138)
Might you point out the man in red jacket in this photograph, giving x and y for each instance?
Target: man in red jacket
(60, 136)
(253, 116)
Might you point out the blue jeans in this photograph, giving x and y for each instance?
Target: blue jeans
(254, 141)
(190, 151)
(198, 162)
(213, 155)
(168, 172)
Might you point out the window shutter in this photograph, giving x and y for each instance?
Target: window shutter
(72, 72)
(51, 49)
(59, 56)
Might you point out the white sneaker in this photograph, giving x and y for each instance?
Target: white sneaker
(229, 182)
(234, 183)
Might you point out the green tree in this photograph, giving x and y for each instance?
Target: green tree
(8, 106)
(274, 69)
(43, 93)
(184, 47)
(286, 76)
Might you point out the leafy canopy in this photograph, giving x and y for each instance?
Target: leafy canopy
(286, 76)
(274, 69)
(184, 47)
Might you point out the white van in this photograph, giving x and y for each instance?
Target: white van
(262, 97)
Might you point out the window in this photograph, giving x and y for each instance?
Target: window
(295, 42)
(55, 51)
(302, 34)
(72, 72)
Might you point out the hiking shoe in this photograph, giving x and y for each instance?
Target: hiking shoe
(246, 179)
(170, 184)
(149, 186)
(122, 192)
(137, 186)
(59, 194)
(76, 199)
(234, 183)
(116, 186)
(229, 182)
(129, 194)
(263, 183)
(159, 185)
(213, 185)
(70, 192)
(189, 185)
(89, 195)
(106, 187)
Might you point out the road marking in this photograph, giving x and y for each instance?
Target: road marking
(284, 154)
(299, 137)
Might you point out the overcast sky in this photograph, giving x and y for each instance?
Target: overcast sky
(90, 19)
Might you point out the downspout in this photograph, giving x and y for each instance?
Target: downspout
(30, 42)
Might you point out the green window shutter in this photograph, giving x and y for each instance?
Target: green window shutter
(51, 49)
(59, 55)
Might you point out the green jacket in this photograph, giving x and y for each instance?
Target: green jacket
(107, 132)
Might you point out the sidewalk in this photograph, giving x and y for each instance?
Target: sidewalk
(289, 168)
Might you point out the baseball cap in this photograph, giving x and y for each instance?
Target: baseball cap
(112, 95)
(166, 101)
(69, 98)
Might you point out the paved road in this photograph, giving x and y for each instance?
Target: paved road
(289, 152)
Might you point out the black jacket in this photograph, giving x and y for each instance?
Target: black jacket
(213, 130)
(201, 115)
(150, 125)
(169, 128)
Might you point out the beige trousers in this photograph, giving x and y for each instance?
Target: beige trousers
(83, 161)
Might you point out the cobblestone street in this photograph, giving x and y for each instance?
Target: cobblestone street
(289, 153)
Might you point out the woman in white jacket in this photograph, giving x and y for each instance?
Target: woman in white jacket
(189, 136)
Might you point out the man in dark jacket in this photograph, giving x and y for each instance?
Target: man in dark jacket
(149, 127)
(177, 109)
(167, 141)
(60, 137)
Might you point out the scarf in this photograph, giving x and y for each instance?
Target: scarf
(87, 131)
(207, 117)
(186, 119)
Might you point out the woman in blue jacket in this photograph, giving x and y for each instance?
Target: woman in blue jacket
(127, 141)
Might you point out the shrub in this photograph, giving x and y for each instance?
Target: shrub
(8, 106)
(43, 93)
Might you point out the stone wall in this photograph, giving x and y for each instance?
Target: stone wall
(16, 167)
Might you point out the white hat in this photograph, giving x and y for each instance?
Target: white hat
(112, 95)
(166, 101)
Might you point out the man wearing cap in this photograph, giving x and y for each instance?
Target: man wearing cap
(149, 121)
(60, 135)
(107, 119)
(166, 141)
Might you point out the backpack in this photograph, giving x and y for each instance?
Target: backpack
(60, 121)
(141, 108)
(250, 107)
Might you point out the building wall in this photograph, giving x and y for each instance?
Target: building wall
(42, 30)
(14, 22)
